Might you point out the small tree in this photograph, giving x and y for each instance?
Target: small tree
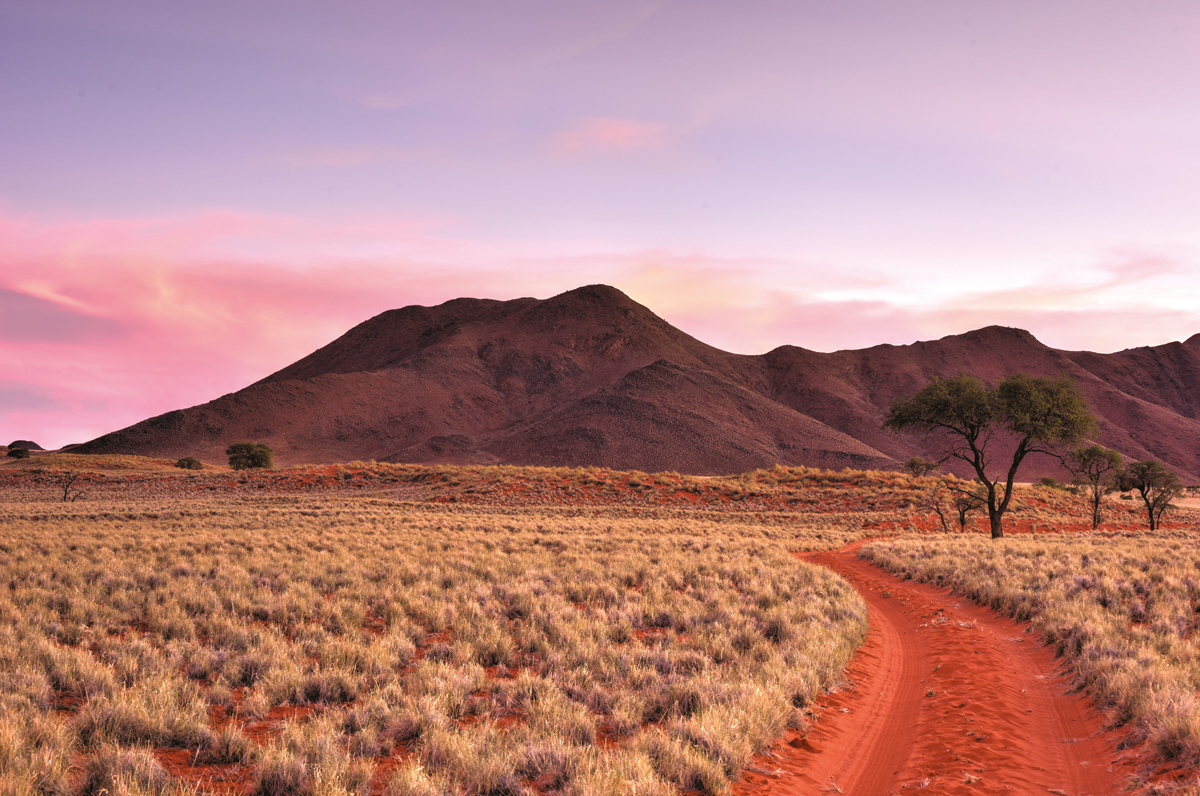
(962, 500)
(918, 466)
(250, 455)
(190, 463)
(18, 453)
(1157, 485)
(1041, 415)
(965, 503)
(1098, 471)
(70, 493)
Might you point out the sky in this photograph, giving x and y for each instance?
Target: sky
(194, 195)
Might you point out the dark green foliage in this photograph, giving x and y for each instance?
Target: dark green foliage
(1042, 415)
(918, 466)
(250, 455)
(1097, 471)
(1157, 485)
(189, 463)
(18, 453)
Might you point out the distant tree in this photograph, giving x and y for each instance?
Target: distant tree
(1157, 485)
(967, 502)
(70, 492)
(918, 466)
(1041, 415)
(1097, 470)
(250, 455)
(18, 453)
(964, 498)
(189, 463)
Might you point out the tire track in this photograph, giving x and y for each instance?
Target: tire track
(944, 697)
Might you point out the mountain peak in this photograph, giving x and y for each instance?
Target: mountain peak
(999, 335)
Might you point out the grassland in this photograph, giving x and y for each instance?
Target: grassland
(397, 629)
(1122, 609)
(332, 645)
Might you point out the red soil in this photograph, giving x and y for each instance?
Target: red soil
(946, 697)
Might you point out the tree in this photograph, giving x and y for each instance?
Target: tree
(18, 453)
(1157, 485)
(1098, 470)
(918, 466)
(70, 492)
(1041, 415)
(250, 455)
(964, 504)
(190, 463)
(962, 500)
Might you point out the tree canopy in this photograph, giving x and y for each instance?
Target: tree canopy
(250, 455)
(1098, 470)
(1039, 414)
(1157, 485)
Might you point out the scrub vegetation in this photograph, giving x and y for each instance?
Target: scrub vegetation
(334, 645)
(1122, 610)
(401, 629)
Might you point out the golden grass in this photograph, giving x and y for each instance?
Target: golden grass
(1122, 610)
(482, 651)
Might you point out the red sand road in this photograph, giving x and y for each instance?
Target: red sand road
(946, 697)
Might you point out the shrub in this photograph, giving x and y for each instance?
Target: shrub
(189, 463)
(250, 455)
(18, 453)
(124, 771)
(918, 466)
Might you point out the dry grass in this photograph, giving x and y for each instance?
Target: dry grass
(1122, 609)
(478, 651)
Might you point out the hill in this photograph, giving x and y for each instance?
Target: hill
(592, 377)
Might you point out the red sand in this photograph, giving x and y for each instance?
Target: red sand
(999, 710)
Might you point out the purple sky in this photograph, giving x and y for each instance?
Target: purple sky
(195, 195)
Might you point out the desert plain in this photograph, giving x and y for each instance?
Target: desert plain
(371, 628)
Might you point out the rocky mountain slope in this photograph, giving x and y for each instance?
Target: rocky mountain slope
(592, 377)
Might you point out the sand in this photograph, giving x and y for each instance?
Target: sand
(945, 697)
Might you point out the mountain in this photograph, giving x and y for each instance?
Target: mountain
(592, 377)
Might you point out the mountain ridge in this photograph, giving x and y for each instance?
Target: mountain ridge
(591, 377)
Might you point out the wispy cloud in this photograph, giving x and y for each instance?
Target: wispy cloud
(384, 102)
(604, 135)
(342, 157)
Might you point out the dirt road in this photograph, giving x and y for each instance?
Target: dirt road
(945, 697)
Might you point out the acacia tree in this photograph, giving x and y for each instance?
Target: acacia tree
(1041, 415)
(918, 466)
(250, 455)
(1157, 485)
(1098, 470)
(962, 499)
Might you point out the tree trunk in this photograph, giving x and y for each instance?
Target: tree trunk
(997, 528)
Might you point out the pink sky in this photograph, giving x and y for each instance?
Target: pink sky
(191, 200)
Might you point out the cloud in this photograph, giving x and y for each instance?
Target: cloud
(385, 102)
(344, 157)
(29, 318)
(604, 135)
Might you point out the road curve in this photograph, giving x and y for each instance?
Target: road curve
(944, 697)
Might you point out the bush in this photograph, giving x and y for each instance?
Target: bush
(189, 463)
(250, 455)
(18, 453)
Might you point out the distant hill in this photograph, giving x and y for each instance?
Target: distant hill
(591, 377)
(26, 444)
